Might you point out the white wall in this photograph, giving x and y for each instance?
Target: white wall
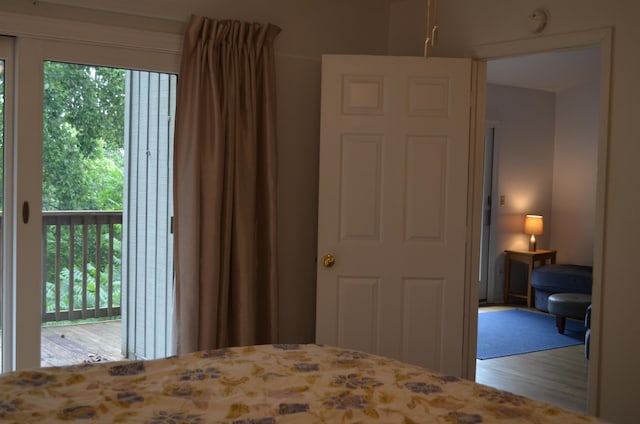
(574, 169)
(546, 164)
(407, 28)
(361, 26)
(524, 140)
(309, 29)
(468, 23)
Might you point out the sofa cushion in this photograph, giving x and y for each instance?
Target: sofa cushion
(562, 278)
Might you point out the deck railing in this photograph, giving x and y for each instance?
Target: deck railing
(81, 269)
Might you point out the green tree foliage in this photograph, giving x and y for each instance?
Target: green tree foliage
(83, 164)
(83, 137)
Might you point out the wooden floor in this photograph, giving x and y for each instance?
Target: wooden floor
(74, 344)
(556, 376)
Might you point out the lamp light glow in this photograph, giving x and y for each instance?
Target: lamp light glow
(533, 225)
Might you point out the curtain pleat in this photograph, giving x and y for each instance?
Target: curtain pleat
(225, 180)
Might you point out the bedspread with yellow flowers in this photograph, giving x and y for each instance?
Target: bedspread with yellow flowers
(262, 385)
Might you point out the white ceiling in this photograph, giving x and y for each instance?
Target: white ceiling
(553, 71)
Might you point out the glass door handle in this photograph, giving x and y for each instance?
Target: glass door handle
(25, 212)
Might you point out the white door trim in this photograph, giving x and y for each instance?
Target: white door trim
(474, 217)
(544, 43)
(601, 38)
(47, 28)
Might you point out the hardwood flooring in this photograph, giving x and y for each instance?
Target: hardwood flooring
(556, 376)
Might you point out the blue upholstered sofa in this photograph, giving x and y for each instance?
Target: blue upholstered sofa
(559, 278)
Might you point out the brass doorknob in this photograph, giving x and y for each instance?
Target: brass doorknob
(328, 260)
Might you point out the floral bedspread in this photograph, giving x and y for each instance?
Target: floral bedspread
(262, 385)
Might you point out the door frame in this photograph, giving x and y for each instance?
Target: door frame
(7, 49)
(601, 38)
(490, 245)
(474, 216)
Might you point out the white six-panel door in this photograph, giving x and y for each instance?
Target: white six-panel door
(393, 207)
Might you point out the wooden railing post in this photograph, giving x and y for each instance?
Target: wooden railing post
(65, 222)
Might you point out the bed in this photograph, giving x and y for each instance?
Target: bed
(262, 385)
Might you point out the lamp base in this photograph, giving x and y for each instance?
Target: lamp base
(532, 243)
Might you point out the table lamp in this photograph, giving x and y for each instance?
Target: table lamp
(533, 225)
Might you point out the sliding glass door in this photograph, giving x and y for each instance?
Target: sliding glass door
(106, 209)
(93, 204)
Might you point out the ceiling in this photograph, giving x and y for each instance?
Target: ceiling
(553, 71)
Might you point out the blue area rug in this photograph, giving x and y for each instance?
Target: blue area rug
(514, 331)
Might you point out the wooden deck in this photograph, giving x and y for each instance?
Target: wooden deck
(75, 344)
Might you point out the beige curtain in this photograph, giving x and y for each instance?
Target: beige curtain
(225, 187)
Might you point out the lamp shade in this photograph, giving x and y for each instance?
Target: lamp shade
(533, 224)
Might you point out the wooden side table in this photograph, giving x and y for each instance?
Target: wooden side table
(530, 258)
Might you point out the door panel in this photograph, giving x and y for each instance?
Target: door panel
(422, 320)
(360, 187)
(358, 327)
(392, 207)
